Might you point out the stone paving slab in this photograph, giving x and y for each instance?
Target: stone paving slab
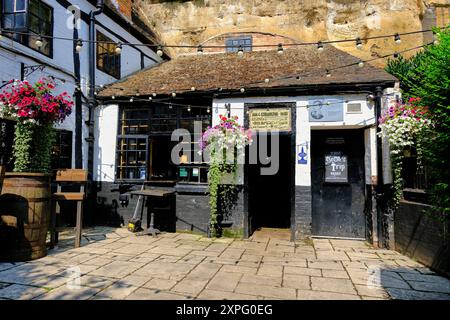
(116, 264)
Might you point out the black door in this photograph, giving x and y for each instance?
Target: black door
(269, 196)
(337, 174)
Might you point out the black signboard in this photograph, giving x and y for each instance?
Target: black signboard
(336, 167)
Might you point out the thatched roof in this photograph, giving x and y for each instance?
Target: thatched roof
(230, 72)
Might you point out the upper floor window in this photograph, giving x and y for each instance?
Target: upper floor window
(108, 60)
(234, 43)
(30, 19)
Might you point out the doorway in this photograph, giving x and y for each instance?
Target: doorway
(337, 178)
(270, 196)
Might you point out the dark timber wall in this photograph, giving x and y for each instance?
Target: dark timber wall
(421, 236)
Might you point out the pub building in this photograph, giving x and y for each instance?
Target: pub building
(324, 121)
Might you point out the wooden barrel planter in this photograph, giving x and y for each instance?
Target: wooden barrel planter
(25, 205)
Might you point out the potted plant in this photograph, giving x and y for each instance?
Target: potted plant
(25, 197)
(223, 145)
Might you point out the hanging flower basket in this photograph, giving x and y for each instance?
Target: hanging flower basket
(25, 196)
(224, 145)
(405, 127)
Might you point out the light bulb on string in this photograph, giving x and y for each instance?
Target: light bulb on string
(150, 98)
(174, 94)
(118, 49)
(113, 97)
(154, 94)
(79, 46)
(240, 51)
(328, 74)
(39, 42)
(320, 46)
(131, 99)
(397, 38)
(359, 44)
(189, 108)
(280, 49)
(242, 90)
(192, 88)
(208, 110)
(159, 51)
(267, 80)
(199, 50)
(361, 63)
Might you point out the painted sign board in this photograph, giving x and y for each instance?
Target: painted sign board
(336, 169)
(302, 156)
(325, 109)
(266, 119)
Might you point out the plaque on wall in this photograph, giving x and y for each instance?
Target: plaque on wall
(325, 110)
(336, 170)
(278, 119)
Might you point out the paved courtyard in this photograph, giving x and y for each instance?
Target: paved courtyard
(115, 264)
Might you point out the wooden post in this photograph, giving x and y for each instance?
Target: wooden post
(79, 225)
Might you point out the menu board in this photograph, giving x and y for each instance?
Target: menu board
(270, 119)
(336, 169)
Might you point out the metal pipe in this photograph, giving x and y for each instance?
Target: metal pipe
(380, 183)
(91, 94)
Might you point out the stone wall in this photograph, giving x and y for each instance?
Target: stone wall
(421, 236)
(193, 22)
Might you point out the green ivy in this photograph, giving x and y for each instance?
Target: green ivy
(427, 75)
(32, 147)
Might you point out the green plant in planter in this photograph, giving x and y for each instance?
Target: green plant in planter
(35, 109)
(224, 144)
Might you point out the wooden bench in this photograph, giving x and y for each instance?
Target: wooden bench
(66, 177)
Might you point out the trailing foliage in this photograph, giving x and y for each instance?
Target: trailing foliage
(224, 145)
(426, 75)
(35, 110)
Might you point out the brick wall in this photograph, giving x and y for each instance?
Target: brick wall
(125, 7)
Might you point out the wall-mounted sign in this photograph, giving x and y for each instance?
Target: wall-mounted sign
(270, 119)
(183, 173)
(301, 157)
(336, 169)
(325, 110)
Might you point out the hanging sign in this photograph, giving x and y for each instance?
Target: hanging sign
(325, 110)
(266, 119)
(336, 169)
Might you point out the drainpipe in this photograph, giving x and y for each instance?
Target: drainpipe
(91, 96)
(380, 183)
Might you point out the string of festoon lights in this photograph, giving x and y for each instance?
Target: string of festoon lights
(298, 76)
(200, 48)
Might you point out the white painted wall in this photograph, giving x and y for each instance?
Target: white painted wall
(63, 58)
(105, 133)
(303, 137)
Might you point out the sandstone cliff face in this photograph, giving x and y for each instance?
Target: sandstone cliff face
(192, 22)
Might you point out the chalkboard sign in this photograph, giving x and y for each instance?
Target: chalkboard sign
(336, 170)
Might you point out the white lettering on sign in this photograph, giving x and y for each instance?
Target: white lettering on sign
(336, 167)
